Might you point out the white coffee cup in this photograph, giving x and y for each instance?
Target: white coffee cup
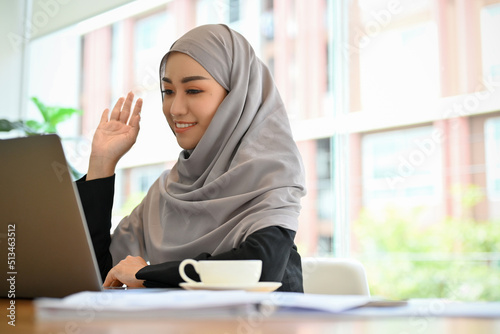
(224, 272)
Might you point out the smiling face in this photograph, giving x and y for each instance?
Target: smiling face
(190, 98)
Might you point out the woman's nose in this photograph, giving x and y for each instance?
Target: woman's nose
(178, 105)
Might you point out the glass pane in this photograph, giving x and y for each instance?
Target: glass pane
(423, 214)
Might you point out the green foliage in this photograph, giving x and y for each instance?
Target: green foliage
(52, 116)
(406, 276)
(407, 258)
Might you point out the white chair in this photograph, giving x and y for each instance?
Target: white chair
(334, 276)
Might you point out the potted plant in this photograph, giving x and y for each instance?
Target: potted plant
(52, 116)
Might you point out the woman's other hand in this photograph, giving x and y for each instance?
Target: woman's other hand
(124, 273)
(114, 136)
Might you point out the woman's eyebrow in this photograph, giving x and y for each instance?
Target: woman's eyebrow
(186, 79)
(193, 78)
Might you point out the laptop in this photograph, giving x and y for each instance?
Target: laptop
(45, 247)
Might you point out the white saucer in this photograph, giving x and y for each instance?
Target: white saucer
(258, 287)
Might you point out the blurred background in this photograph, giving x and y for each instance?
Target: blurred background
(394, 104)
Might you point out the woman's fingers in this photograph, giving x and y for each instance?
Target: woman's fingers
(136, 115)
(124, 272)
(121, 110)
(109, 279)
(116, 283)
(127, 106)
(105, 116)
(115, 113)
(138, 107)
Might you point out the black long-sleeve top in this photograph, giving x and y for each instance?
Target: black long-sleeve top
(273, 245)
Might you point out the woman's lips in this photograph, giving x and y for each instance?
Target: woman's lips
(183, 126)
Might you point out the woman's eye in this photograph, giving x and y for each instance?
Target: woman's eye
(193, 91)
(167, 92)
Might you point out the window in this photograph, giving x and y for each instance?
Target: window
(402, 167)
(422, 145)
(492, 148)
(324, 196)
(490, 23)
(234, 10)
(397, 64)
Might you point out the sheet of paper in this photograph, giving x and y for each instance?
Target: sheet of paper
(189, 304)
(297, 302)
(177, 302)
(431, 308)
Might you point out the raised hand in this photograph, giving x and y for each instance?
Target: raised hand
(114, 136)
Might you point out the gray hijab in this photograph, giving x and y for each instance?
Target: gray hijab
(245, 174)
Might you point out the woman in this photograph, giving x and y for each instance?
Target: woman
(235, 190)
